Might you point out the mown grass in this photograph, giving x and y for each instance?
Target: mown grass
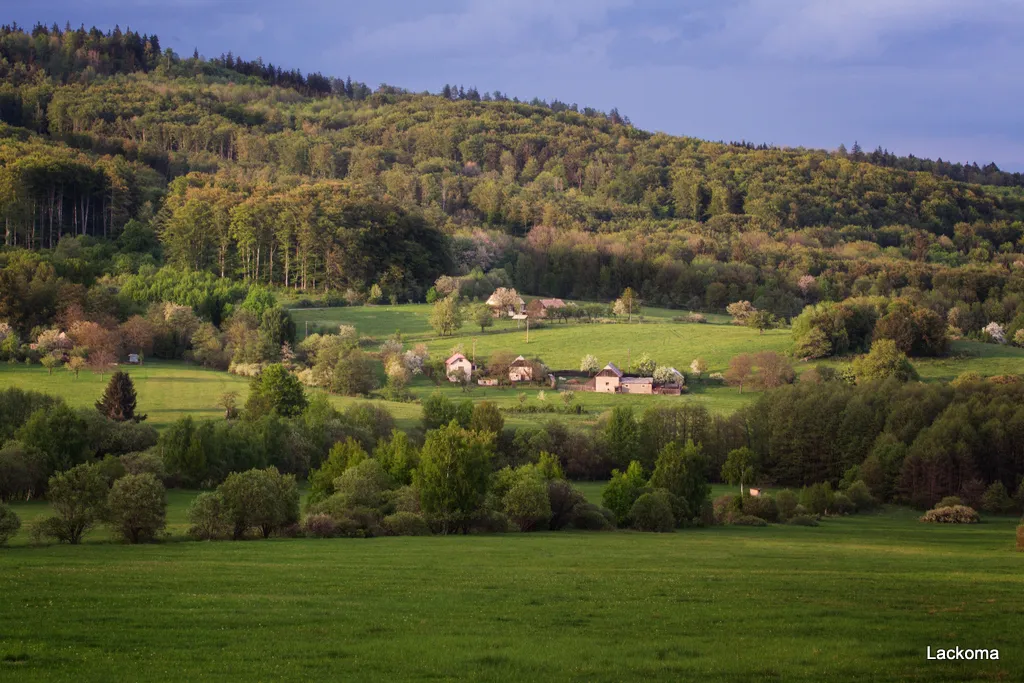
(858, 598)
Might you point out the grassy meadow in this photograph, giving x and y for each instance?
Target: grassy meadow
(168, 390)
(858, 598)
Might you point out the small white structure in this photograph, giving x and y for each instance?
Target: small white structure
(636, 385)
(133, 358)
(520, 370)
(456, 366)
(754, 493)
(608, 380)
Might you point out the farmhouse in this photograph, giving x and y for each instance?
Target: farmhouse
(608, 380)
(496, 306)
(521, 370)
(540, 308)
(457, 366)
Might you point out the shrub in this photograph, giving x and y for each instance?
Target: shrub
(948, 502)
(803, 520)
(488, 522)
(319, 526)
(623, 491)
(137, 506)
(79, 497)
(208, 517)
(564, 500)
(725, 507)
(996, 500)
(958, 514)
(10, 523)
(653, 512)
(762, 506)
(842, 505)
(749, 520)
(860, 495)
(265, 499)
(405, 524)
(817, 498)
(590, 517)
(527, 504)
(146, 462)
(786, 504)
(110, 469)
(402, 499)
(799, 510)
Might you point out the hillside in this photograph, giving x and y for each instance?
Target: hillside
(246, 170)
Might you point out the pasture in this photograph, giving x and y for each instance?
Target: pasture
(170, 389)
(858, 598)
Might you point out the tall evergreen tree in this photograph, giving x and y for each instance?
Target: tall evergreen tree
(119, 399)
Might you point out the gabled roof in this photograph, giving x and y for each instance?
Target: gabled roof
(638, 380)
(519, 361)
(492, 302)
(552, 303)
(454, 358)
(612, 369)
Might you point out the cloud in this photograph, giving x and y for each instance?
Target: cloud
(489, 27)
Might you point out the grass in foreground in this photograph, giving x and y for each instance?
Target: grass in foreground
(857, 598)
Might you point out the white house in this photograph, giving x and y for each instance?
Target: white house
(608, 380)
(520, 370)
(456, 366)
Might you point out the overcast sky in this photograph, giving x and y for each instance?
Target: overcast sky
(928, 77)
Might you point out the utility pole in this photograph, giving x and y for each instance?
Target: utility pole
(474, 352)
(527, 329)
(307, 329)
(627, 359)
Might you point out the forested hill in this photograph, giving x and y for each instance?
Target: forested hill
(247, 170)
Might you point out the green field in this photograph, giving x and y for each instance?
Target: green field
(561, 345)
(168, 390)
(858, 598)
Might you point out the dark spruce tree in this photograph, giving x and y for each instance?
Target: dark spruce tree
(118, 402)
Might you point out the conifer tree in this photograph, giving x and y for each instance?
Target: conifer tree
(119, 399)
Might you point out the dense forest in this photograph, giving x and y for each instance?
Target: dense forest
(249, 171)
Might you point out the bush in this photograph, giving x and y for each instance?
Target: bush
(817, 498)
(527, 505)
(10, 523)
(786, 504)
(653, 512)
(860, 495)
(137, 507)
(264, 499)
(489, 522)
(403, 499)
(803, 520)
(319, 526)
(208, 517)
(146, 462)
(79, 497)
(842, 505)
(996, 500)
(762, 506)
(726, 507)
(590, 517)
(948, 502)
(622, 492)
(748, 520)
(958, 514)
(564, 499)
(405, 524)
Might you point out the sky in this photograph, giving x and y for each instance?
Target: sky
(934, 78)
